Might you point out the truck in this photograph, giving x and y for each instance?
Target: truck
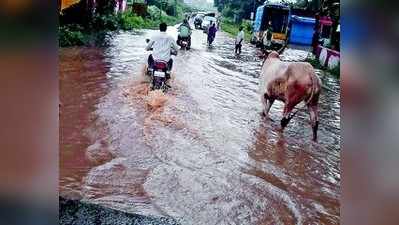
(279, 14)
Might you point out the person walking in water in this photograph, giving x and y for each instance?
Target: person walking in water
(316, 34)
(211, 33)
(239, 40)
(267, 38)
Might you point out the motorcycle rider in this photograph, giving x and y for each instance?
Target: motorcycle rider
(184, 32)
(161, 45)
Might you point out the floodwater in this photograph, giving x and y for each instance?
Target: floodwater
(202, 153)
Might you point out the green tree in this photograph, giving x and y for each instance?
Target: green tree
(105, 7)
(241, 9)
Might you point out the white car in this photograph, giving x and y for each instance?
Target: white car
(198, 20)
(206, 22)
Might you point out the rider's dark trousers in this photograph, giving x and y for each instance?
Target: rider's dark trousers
(238, 49)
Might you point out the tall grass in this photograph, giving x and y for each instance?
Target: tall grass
(232, 28)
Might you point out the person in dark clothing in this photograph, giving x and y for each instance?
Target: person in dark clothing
(211, 33)
(316, 34)
(267, 37)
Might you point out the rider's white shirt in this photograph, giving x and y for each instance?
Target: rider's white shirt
(162, 44)
(240, 36)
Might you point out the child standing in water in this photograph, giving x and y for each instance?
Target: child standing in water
(239, 40)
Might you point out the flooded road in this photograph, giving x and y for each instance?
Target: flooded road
(202, 153)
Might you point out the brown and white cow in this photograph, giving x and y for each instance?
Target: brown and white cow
(291, 83)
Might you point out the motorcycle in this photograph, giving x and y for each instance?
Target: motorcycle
(198, 23)
(184, 42)
(159, 74)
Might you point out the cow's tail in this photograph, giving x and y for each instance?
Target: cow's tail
(314, 81)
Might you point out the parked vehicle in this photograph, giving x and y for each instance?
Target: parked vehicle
(198, 21)
(301, 30)
(279, 14)
(184, 43)
(212, 14)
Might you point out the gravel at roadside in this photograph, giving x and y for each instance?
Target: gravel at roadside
(74, 212)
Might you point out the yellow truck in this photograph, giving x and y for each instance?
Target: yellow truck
(66, 3)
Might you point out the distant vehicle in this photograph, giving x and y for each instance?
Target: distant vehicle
(212, 14)
(279, 14)
(198, 20)
(206, 22)
(184, 43)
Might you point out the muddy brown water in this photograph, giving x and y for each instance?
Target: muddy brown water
(202, 153)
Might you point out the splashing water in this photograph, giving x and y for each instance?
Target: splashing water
(156, 100)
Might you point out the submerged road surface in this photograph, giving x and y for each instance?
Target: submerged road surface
(202, 153)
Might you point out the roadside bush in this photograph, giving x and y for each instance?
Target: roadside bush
(108, 22)
(228, 12)
(232, 28)
(247, 25)
(154, 12)
(154, 19)
(336, 70)
(105, 7)
(316, 64)
(129, 21)
(97, 32)
(313, 61)
(71, 36)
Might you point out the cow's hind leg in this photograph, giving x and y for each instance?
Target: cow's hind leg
(267, 103)
(286, 115)
(314, 120)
